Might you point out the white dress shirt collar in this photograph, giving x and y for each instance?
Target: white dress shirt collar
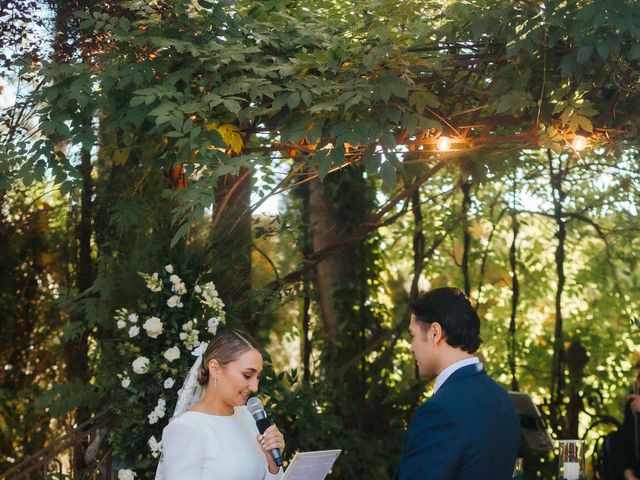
(447, 372)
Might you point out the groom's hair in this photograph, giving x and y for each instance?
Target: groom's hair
(450, 308)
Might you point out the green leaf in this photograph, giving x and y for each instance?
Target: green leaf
(306, 98)
(399, 88)
(324, 165)
(293, 101)
(232, 105)
(421, 99)
(388, 174)
(511, 101)
(180, 234)
(603, 49)
(585, 124)
(584, 53)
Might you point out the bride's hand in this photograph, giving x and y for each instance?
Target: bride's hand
(272, 438)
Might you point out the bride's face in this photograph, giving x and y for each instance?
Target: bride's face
(238, 380)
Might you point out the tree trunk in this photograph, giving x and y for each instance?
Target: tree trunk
(306, 288)
(77, 351)
(78, 348)
(231, 240)
(333, 223)
(337, 206)
(515, 299)
(557, 373)
(418, 243)
(466, 236)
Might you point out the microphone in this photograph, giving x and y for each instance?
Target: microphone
(262, 422)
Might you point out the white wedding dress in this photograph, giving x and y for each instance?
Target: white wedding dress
(200, 446)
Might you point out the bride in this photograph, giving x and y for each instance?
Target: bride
(212, 435)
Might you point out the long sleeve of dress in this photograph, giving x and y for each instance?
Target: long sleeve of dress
(183, 451)
(274, 476)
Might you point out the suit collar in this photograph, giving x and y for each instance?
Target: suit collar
(463, 372)
(451, 369)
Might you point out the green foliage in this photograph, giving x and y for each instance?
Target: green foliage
(217, 87)
(146, 367)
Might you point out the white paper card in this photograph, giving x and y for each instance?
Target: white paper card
(311, 465)
(571, 471)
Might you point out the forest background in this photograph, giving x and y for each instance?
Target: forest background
(319, 162)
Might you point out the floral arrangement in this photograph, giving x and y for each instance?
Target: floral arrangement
(167, 325)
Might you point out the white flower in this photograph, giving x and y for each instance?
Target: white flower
(168, 383)
(172, 354)
(133, 318)
(174, 279)
(153, 418)
(153, 326)
(126, 474)
(189, 335)
(174, 301)
(179, 288)
(125, 381)
(158, 411)
(154, 283)
(133, 331)
(121, 324)
(197, 289)
(212, 325)
(169, 268)
(155, 446)
(209, 297)
(140, 365)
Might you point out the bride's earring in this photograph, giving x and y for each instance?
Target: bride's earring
(215, 381)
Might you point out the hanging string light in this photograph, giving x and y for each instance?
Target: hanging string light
(579, 143)
(443, 144)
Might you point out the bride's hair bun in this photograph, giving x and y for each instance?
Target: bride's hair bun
(203, 375)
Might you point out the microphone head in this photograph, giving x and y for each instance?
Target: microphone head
(255, 407)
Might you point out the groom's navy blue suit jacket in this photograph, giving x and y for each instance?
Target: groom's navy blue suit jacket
(468, 430)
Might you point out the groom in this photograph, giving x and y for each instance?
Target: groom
(469, 428)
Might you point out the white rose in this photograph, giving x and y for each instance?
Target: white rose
(212, 325)
(153, 418)
(126, 474)
(121, 324)
(133, 331)
(179, 288)
(133, 318)
(126, 381)
(169, 382)
(155, 446)
(141, 365)
(197, 289)
(169, 268)
(174, 279)
(174, 301)
(153, 326)
(172, 354)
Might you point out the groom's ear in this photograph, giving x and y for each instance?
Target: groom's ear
(436, 332)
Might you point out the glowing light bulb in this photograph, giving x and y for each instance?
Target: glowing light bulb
(444, 144)
(579, 143)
